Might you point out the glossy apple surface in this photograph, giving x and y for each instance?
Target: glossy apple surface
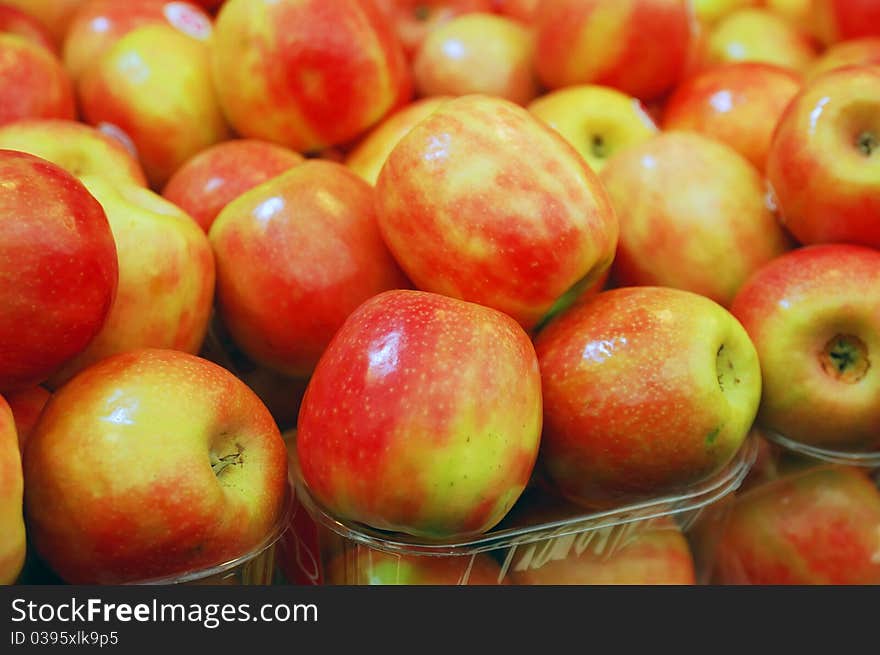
(58, 268)
(148, 464)
(33, 84)
(423, 416)
(12, 546)
(634, 404)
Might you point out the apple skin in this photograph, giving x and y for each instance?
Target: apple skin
(693, 215)
(295, 256)
(33, 83)
(414, 20)
(824, 161)
(166, 104)
(100, 23)
(369, 155)
(525, 11)
(597, 121)
(54, 15)
(216, 176)
(423, 416)
(367, 566)
(794, 309)
(166, 278)
(78, 148)
(621, 424)
(58, 268)
(739, 104)
(639, 47)
(856, 52)
(477, 53)
(709, 12)
(530, 233)
(815, 527)
(151, 463)
(13, 544)
(15, 21)
(27, 405)
(843, 20)
(302, 57)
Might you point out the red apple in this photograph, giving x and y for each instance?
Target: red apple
(818, 526)
(15, 21)
(639, 47)
(155, 85)
(78, 148)
(423, 416)
(362, 565)
(857, 52)
(166, 278)
(467, 215)
(842, 20)
(824, 161)
(98, 24)
(58, 268)
(634, 405)
(693, 215)
(525, 11)
(216, 176)
(12, 546)
(414, 20)
(54, 15)
(27, 405)
(814, 316)
(315, 73)
(739, 104)
(148, 464)
(33, 83)
(477, 53)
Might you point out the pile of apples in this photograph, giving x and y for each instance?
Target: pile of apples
(461, 246)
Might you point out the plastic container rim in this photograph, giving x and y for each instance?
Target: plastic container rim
(863, 459)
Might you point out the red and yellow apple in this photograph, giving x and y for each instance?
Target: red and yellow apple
(315, 73)
(739, 104)
(634, 405)
(33, 84)
(824, 161)
(27, 405)
(414, 20)
(709, 12)
(54, 15)
(166, 278)
(597, 121)
(13, 544)
(814, 317)
(820, 526)
(640, 47)
(423, 416)
(15, 21)
(524, 11)
(841, 20)
(467, 214)
(155, 85)
(477, 53)
(58, 268)
(78, 148)
(693, 215)
(216, 176)
(368, 566)
(856, 52)
(148, 464)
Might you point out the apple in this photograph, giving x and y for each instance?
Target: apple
(155, 85)
(27, 405)
(796, 12)
(824, 161)
(166, 278)
(54, 15)
(637, 46)
(738, 103)
(413, 20)
(78, 148)
(98, 24)
(842, 20)
(33, 83)
(467, 214)
(217, 175)
(295, 256)
(423, 416)
(12, 546)
(369, 566)
(148, 464)
(856, 52)
(58, 268)
(711, 11)
(820, 526)
(477, 53)
(597, 121)
(634, 405)
(525, 11)
(758, 35)
(15, 21)
(314, 74)
(369, 155)
(693, 215)
(814, 316)
(648, 552)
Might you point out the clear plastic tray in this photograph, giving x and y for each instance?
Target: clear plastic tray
(564, 544)
(863, 459)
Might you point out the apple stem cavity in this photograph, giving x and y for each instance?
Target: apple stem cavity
(845, 358)
(868, 143)
(422, 12)
(220, 464)
(597, 147)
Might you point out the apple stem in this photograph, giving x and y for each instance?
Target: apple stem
(598, 147)
(868, 143)
(220, 464)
